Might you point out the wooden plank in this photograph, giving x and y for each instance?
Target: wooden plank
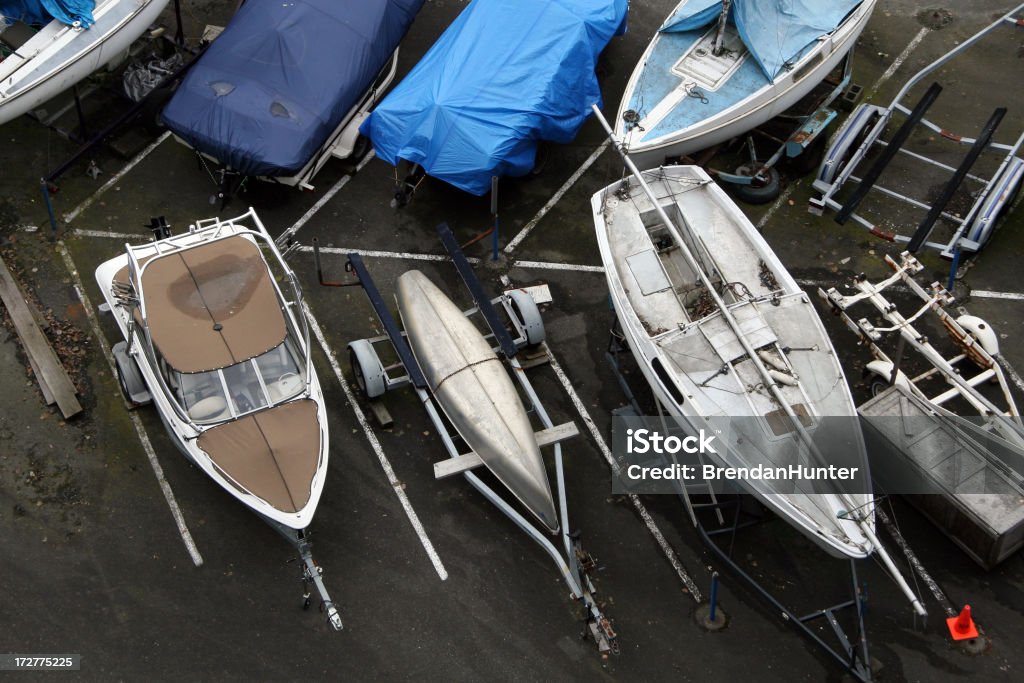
(453, 466)
(556, 434)
(380, 412)
(36, 345)
(47, 394)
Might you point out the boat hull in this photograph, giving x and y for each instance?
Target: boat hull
(475, 392)
(760, 106)
(68, 56)
(185, 436)
(714, 383)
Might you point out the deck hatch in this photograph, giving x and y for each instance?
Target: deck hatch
(648, 273)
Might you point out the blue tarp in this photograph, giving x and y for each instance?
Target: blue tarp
(502, 77)
(776, 32)
(44, 11)
(282, 76)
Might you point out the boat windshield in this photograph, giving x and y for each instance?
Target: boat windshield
(227, 393)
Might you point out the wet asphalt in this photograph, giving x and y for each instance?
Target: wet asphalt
(93, 562)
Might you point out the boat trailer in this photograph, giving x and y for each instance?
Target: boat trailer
(312, 573)
(862, 132)
(724, 516)
(526, 342)
(975, 340)
(758, 182)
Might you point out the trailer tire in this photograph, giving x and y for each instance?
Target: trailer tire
(526, 312)
(878, 385)
(123, 384)
(152, 109)
(751, 194)
(367, 369)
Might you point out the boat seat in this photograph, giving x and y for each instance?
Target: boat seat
(287, 385)
(210, 408)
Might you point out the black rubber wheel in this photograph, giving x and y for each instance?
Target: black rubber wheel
(361, 147)
(152, 109)
(752, 194)
(878, 385)
(357, 372)
(124, 386)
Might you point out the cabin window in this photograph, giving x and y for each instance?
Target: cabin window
(216, 395)
(667, 381)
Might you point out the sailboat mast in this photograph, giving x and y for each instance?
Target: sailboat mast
(720, 32)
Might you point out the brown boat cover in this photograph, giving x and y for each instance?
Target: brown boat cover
(212, 305)
(273, 453)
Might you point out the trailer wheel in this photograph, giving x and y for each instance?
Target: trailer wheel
(878, 385)
(151, 111)
(367, 369)
(848, 140)
(121, 382)
(526, 312)
(1005, 190)
(752, 194)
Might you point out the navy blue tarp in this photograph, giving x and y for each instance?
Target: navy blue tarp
(504, 76)
(44, 11)
(777, 32)
(282, 76)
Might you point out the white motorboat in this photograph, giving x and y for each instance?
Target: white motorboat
(473, 388)
(214, 337)
(45, 63)
(717, 69)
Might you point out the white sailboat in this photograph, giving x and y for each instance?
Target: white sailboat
(45, 63)
(715, 70)
(721, 331)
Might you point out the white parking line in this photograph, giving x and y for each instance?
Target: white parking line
(147, 446)
(73, 214)
(385, 464)
(511, 246)
(899, 60)
(775, 207)
(986, 294)
(546, 265)
(323, 200)
(373, 253)
(640, 507)
(384, 254)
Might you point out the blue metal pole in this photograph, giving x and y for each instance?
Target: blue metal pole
(953, 268)
(714, 597)
(49, 206)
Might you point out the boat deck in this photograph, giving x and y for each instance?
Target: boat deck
(677, 92)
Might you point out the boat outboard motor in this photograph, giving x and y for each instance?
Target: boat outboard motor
(161, 229)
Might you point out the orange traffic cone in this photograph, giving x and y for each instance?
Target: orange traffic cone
(962, 627)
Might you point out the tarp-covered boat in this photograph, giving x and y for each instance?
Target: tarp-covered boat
(76, 38)
(503, 77)
(284, 79)
(709, 75)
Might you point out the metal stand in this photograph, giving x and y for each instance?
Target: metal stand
(312, 573)
(849, 650)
